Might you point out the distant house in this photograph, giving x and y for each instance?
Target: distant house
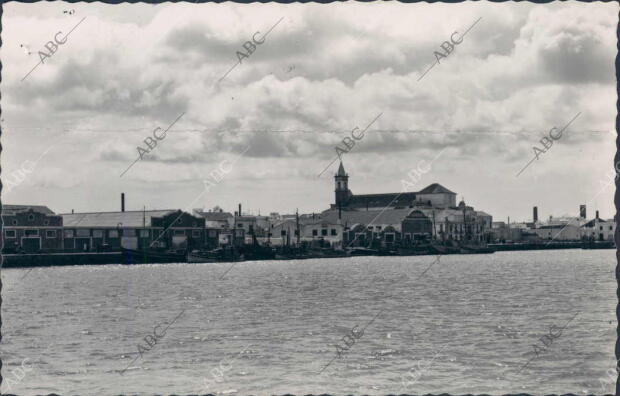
(558, 232)
(219, 219)
(30, 229)
(252, 224)
(599, 229)
(171, 229)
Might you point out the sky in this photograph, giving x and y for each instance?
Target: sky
(261, 134)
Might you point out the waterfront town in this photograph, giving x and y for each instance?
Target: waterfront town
(423, 222)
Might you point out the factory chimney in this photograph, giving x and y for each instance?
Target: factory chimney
(122, 202)
(597, 214)
(535, 214)
(239, 209)
(582, 211)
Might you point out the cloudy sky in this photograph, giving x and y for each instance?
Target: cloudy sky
(322, 71)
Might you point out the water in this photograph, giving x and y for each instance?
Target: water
(269, 327)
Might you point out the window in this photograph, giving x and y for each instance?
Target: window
(144, 233)
(610, 228)
(68, 233)
(389, 237)
(239, 233)
(83, 233)
(14, 222)
(196, 233)
(283, 233)
(113, 234)
(324, 232)
(46, 222)
(378, 228)
(296, 232)
(601, 228)
(97, 233)
(50, 234)
(315, 232)
(129, 232)
(9, 233)
(31, 233)
(239, 225)
(212, 233)
(334, 232)
(30, 217)
(194, 224)
(179, 232)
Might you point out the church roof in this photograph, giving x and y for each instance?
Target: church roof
(341, 171)
(366, 217)
(381, 200)
(435, 188)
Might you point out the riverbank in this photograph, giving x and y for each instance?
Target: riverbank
(130, 257)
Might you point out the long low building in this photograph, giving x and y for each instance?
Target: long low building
(32, 229)
(172, 229)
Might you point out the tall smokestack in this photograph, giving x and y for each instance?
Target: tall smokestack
(122, 202)
(582, 211)
(535, 214)
(239, 209)
(597, 214)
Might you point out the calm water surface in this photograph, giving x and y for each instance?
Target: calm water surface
(269, 327)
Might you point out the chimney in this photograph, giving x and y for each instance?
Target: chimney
(122, 202)
(535, 214)
(597, 214)
(71, 211)
(582, 211)
(239, 209)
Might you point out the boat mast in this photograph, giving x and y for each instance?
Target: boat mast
(297, 223)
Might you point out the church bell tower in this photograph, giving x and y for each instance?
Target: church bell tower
(341, 180)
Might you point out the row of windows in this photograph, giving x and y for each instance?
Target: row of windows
(324, 231)
(334, 232)
(99, 233)
(28, 233)
(30, 218)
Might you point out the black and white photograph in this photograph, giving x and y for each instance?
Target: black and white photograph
(343, 198)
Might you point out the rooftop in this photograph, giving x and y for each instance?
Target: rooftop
(12, 209)
(137, 218)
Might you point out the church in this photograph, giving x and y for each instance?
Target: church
(434, 195)
(430, 213)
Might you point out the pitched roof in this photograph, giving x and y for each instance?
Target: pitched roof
(435, 188)
(482, 213)
(377, 217)
(592, 223)
(135, 218)
(381, 200)
(12, 209)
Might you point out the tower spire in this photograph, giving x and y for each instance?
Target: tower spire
(341, 180)
(341, 171)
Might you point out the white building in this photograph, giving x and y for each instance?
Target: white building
(599, 230)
